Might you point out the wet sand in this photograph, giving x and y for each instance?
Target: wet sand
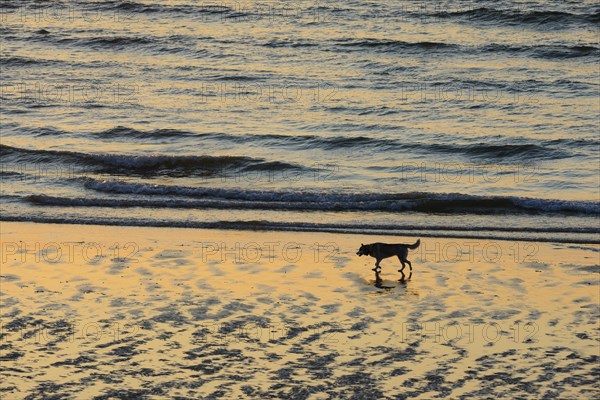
(90, 312)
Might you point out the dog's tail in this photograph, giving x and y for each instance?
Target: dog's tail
(414, 246)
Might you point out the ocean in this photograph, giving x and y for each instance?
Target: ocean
(455, 119)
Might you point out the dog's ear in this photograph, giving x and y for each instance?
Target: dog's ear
(361, 244)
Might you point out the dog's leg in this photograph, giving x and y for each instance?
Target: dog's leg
(403, 266)
(377, 265)
(403, 260)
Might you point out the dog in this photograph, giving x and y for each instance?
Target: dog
(379, 251)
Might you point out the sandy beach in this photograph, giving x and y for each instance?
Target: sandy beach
(90, 312)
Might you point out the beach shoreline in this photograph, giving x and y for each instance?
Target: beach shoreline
(221, 313)
(512, 234)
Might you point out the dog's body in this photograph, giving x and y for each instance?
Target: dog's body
(379, 251)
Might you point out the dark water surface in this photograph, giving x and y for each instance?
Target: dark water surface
(458, 118)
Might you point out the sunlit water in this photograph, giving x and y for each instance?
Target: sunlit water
(392, 117)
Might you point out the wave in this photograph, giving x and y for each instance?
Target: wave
(276, 43)
(123, 132)
(144, 164)
(109, 42)
(558, 236)
(434, 204)
(187, 44)
(127, 9)
(536, 51)
(170, 44)
(543, 51)
(517, 17)
(303, 141)
(425, 202)
(497, 149)
(17, 61)
(10, 174)
(124, 10)
(124, 203)
(485, 14)
(391, 45)
(114, 41)
(130, 6)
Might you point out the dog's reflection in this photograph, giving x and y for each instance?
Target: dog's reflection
(379, 282)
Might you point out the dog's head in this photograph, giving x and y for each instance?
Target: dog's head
(363, 251)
